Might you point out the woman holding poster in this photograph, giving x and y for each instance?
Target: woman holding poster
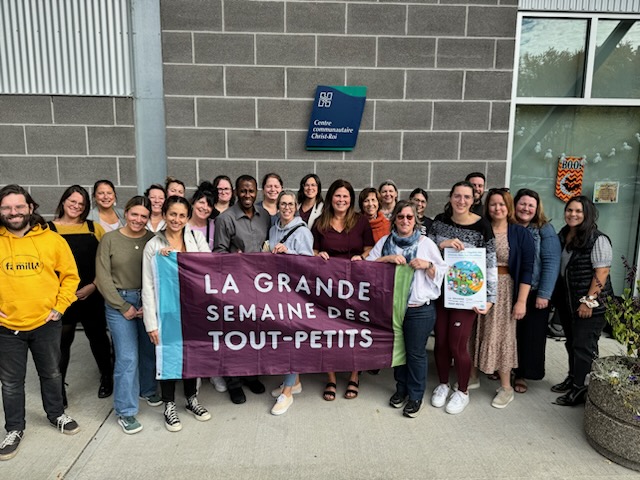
(495, 345)
(341, 232)
(458, 228)
(290, 235)
(406, 246)
(176, 237)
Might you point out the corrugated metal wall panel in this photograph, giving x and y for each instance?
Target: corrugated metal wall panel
(65, 47)
(596, 6)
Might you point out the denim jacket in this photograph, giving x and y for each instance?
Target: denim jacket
(546, 266)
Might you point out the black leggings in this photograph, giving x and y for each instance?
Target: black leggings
(168, 389)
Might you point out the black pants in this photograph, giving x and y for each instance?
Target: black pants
(531, 333)
(168, 389)
(582, 341)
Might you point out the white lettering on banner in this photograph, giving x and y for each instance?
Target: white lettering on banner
(229, 284)
(270, 339)
(280, 311)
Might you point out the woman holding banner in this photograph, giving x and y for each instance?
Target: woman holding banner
(406, 246)
(119, 280)
(176, 237)
(459, 228)
(290, 235)
(341, 232)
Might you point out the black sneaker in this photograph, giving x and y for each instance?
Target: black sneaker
(171, 420)
(412, 408)
(66, 424)
(10, 444)
(398, 400)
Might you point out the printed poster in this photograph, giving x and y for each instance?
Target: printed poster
(466, 280)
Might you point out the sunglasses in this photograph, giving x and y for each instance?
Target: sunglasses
(499, 190)
(402, 217)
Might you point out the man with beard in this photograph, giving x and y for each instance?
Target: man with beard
(39, 279)
(243, 227)
(477, 181)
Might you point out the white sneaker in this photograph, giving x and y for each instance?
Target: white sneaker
(457, 403)
(440, 394)
(219, 384)
(296, 389)
(503, 398)
(282, 404)
(474, 384)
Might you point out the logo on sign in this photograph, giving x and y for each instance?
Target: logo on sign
(324, 99)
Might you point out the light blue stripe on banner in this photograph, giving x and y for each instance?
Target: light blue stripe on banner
(169, 353)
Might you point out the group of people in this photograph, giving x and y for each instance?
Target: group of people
(98, 270)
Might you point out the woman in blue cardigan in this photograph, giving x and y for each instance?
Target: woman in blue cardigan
(532, 329)
(496, 346)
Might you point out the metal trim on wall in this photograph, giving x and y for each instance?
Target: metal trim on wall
(596, 6)
(65, 47)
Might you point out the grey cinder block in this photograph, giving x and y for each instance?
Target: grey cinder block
(500, 115)
(302, 82)
(376, 19)
(430, 145)
(191, 14)
(407, 175)
(185, 169)
(179, 111)
(127, 168)
(235, 48)
(295, 50)
(51, 140)
(29, 170)
(124, 110)
(177, 47)
(461, 115)
(376, 146)
(406, 52)
(291, 172)
(436, 20)
(282, 113)
(83, 110)
(347, 51)
(111, 140)
(254, 16)
(193, 80)
(315, 17)
(465, 53)
(255, 144)
(435, 84)
(47, 197)
(210, 169)
(492, 21)
(497, 174)
(445, 174)
(226, 112)
(11, 141)
(195, 142)
(398, 115)
(357, 173)
(483, 146)
(86, 170)
(505, 54)
(379, 83)
(488, 85)
(25, 109)
(255, 81)
(296, 148)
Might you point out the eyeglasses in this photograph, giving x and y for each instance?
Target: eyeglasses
(224, 189)
(310, 185)
(287, 205)
(402, 217)
(75, 203)
(17, 208)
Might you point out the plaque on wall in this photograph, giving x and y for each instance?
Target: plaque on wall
(335, 118)
(605, 192)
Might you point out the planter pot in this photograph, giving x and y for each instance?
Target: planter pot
(610, 426)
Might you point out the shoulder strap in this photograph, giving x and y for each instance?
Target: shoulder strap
(91, 226)
(52, 226)
(286, 237)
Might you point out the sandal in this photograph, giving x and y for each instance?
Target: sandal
(520, 385)
(351, 393)
(329, 395)
(493, 376)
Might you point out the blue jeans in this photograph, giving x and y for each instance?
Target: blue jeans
(44, 343)
(290, 379)
(134, 372)
(411, 378)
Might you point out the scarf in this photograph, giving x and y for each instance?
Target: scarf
(409, 245)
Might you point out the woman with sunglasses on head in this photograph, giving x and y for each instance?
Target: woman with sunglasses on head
(156, 195)
(389, 196)
(119, 279)
(341, 232)
(531, 331)
(310, 198)
(420, 198)
(369, 202)
(459, 228)
(405, 245)
(290, 235)
(104, 211)
(176, 237)
(584, 281)
(495, 345)
(222, 195)
(83, 237)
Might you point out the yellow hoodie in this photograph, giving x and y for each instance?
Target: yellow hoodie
(37, 274)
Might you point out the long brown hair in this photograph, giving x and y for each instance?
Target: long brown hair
(351, 218)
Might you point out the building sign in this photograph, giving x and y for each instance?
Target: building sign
(336, 116)
(569, 178)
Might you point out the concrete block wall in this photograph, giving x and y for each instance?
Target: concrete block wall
(50, 142)
(240, 76)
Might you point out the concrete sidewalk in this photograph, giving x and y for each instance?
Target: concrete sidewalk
(361, 438)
